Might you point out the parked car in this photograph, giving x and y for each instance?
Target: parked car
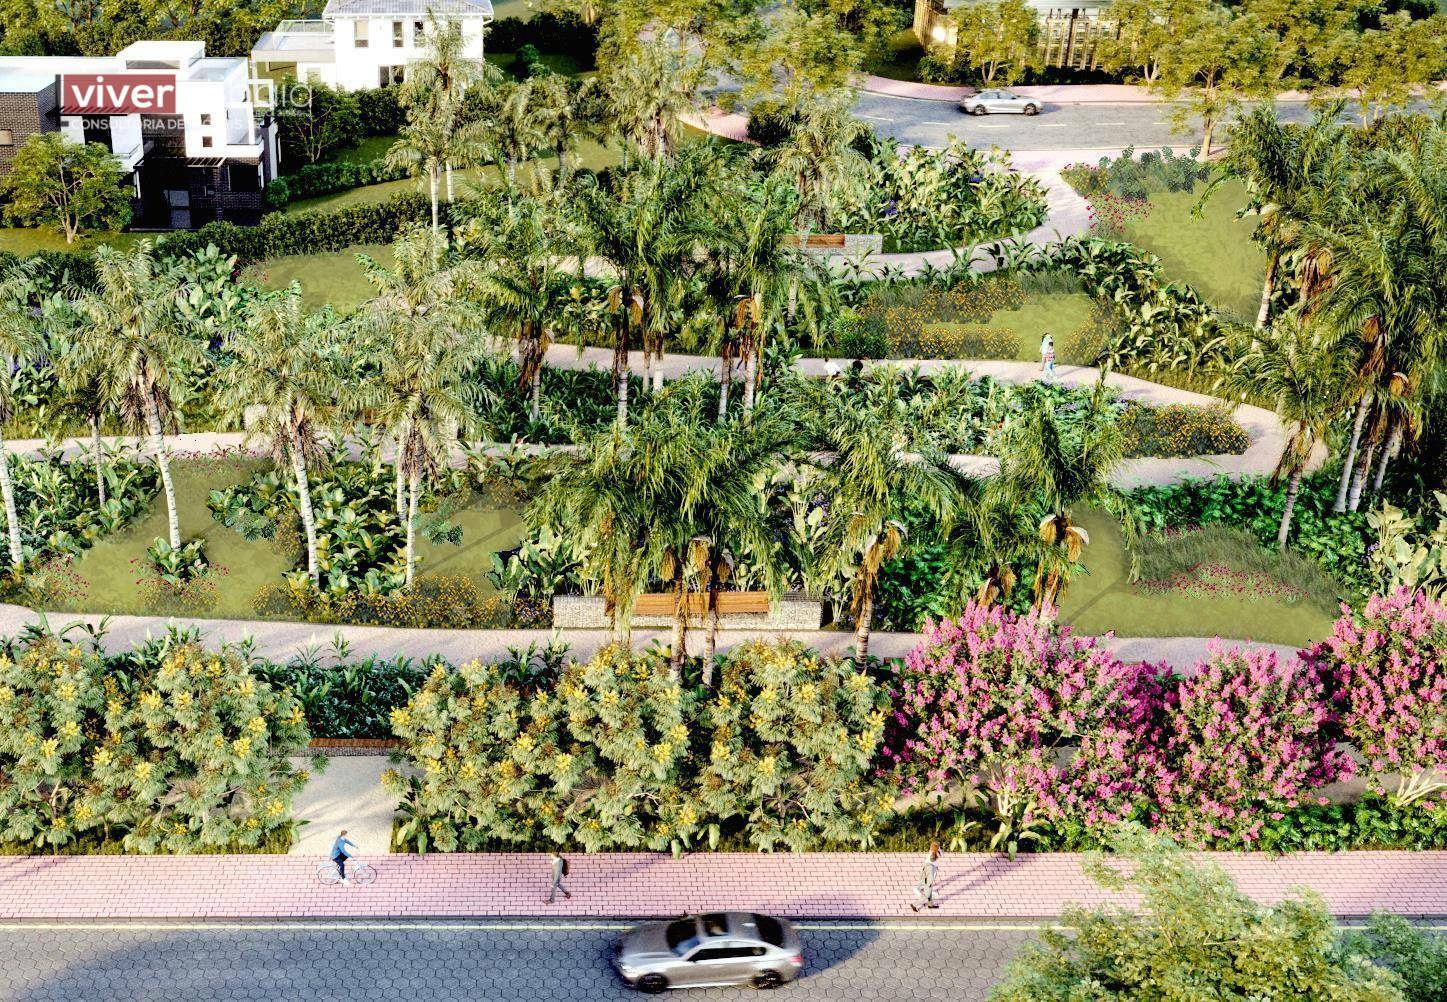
(1000, 102)
(720, 948)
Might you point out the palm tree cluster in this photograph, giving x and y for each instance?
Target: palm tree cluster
(1349, 340)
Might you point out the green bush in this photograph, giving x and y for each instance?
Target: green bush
(380, 111)
(771, 123)
(313, 180)
(550, 31)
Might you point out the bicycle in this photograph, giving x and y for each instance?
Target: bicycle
(357, 872)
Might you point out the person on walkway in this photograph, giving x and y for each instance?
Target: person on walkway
(340, 855)
(924, 892)
(1047, 357)
(832, 370)
(559, 871)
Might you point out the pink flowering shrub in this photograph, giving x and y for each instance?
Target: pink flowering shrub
(996, 702)
(1244, 738)
(1389, 665)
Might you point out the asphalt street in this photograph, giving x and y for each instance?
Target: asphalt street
(1058, 127)
(496, 962)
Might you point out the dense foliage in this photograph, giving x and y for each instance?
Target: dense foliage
(189, 754)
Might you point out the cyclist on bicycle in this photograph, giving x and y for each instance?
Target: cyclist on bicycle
(340, 854)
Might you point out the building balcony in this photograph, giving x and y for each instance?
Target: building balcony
(296, 42)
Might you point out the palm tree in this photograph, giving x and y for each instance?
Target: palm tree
(433, 139)
(79, 377)
(1288, 170)
(440, 80)
(511, 125)
(820, 159)
(285, 366)
(649, 92)
(1299, 366)
(868, 477)
(131, 332)
(1044, 468)
(20, 342)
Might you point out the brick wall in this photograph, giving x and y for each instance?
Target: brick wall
(24, 115)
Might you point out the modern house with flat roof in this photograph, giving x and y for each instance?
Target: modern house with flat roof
(184, 125)
(360, 44)
(1069, 29)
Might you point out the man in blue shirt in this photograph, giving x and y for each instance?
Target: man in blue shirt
(340, 854)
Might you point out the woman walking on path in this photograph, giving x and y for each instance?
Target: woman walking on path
(924, 892)
(1047, 357)
(340, 854)
(559, 871)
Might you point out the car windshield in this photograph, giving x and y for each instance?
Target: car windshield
(682, 935)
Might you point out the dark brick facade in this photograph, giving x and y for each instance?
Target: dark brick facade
(25, 114)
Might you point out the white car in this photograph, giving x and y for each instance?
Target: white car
(1000, 102)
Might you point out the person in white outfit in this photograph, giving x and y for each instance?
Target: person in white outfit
(924, 892)
(1047, 357)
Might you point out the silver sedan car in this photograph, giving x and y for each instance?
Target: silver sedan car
(720, 948)
(1000, 102)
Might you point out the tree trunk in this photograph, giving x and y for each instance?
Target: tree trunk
(411, 528)
(449, 182)
(1293, 488)
(99, 450)
(308, 516)
(399, 485)
(725, 376)
(1267, 288)
(680, 625)
(163, 460)
(658, 370)
(432, 192)
(12, 518)
(648, 386)
(710, 645)
(623, 397)
(865, 624)
(536, 407)
(1209, 126)
(1394, 442)
(751, 368)
(1359, 477)
(1350, 459)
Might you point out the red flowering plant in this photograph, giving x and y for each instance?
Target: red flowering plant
(1389, 665)
(990, 709)
(1244, 737)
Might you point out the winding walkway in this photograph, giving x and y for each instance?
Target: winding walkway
(1265, 430)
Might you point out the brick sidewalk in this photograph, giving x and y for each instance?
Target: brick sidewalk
(628, 885)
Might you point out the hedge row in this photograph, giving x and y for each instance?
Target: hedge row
(313, 180)
(549, 32)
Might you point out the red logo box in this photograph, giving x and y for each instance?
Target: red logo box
(118, 93)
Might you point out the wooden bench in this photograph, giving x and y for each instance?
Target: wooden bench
(729, 603)
(829, 241)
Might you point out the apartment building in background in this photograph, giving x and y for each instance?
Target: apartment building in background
(360, 44)
(1069, 29)
(184, 126)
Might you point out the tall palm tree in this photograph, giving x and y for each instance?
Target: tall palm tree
(79, 377)
(284, 365)
(442, 77)
(1298, 365)
(869, 476)
(131, 331)
(433, 139)
(1042, 467)
(820, 158)
(20, 342)
(648, 94)
(512, 125)
(1288, 170)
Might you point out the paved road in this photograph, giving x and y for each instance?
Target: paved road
(466, 961)
(1059, 127)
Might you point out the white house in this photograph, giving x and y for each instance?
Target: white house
(1069, 29)
(184, 125)
(359, 44)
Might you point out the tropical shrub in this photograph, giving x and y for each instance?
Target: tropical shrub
(606, 759)
(59, 503)
(1182, 430)
(1242, 739)
(178, 579)
(1409, 552)
(1193, 928)
(1136, 178)
(1417, 956)
(380, 111)
(989, 702)
(189, 756)
(771, 122)
(312, 180)
(1387, 663)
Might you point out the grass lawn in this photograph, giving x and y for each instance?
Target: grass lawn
(107, 574)
(336, 278)
(1103, 599)
(559, 62)
(1214, 254)
(1070, 316)
(24, 240)
(900, 60)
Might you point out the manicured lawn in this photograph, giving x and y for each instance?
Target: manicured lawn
(1214, 254)
(368, 149)
(1066, 315)
(106, 575)
(1103, 599)
(24, 240)
(336, 278)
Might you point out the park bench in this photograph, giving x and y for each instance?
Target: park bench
(729, 602)
(816, 241)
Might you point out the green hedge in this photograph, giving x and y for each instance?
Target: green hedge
(325, 179)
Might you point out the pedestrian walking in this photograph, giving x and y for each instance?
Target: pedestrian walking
(559, 871)
(832, 370)
(924, 892)
(340, 855)
(1047, 357)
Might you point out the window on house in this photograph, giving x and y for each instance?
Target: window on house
(396, 34)
(7, 137)
(206, 142)
(419, 32)
(361, 36)
(205, 119)
(244, 177)
(389, 75)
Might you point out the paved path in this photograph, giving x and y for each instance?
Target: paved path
(806, 885)
(347, 793)
(448, 962)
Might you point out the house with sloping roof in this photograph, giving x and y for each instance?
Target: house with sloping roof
(360, 44)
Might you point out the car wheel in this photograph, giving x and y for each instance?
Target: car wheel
(978, 109)
(652, 984)
(1030, 109)
(765, 980)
